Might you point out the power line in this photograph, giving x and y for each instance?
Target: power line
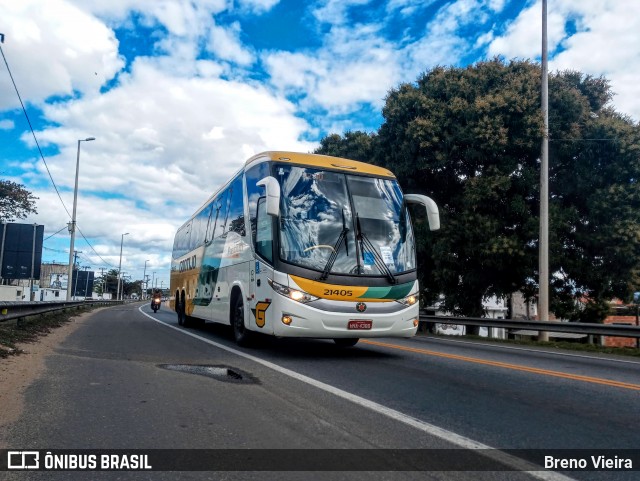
(91, 247)
(24, 110)
(65, 227)
(32, 131)
(54, 250)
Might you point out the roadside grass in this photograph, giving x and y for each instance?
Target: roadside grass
(569, 346)
(31, 329)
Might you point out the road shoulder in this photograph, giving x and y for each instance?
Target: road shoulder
(18, 372)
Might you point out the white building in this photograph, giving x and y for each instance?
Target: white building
(14, 293)
(494, 308)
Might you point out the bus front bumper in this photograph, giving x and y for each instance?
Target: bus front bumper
(342, 320)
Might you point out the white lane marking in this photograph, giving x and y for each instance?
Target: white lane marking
(449, 436)
(513, 348)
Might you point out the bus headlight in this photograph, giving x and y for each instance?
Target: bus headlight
(294, 294)
(410, 300)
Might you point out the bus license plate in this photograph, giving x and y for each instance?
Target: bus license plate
(359, 325)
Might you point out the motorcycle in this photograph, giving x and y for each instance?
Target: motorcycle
(155, 303)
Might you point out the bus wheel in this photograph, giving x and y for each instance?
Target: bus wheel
(342, 342)
(240, 333)
(180, 305)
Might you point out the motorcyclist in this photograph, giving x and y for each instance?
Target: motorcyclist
(156, 299)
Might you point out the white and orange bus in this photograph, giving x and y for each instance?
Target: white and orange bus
(302, 245)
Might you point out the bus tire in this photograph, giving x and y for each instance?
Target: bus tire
(180, 305)
(241, 334)
(346, 342)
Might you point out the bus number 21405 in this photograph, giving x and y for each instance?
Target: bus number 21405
(338, 292)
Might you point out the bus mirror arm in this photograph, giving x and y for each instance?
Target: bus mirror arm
(272, 188)
(433, 215)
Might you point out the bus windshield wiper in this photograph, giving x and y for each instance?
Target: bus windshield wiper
(334, 255)
(379, 262)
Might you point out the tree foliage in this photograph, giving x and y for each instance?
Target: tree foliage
(470, 138)
(109, 284)
(15, 201)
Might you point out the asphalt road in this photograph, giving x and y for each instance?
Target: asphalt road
(108, 387)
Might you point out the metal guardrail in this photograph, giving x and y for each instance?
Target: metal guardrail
(19, 310)
(571, 327)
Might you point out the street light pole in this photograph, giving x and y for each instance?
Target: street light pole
(72, 225)
(543, 255)
(86, 284)
(120, 265)
(144, 294)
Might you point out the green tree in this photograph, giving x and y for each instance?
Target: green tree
(110, 282)
(134, 287)
(355, 145)
(595, 155)
(15, 201)
(470, 139)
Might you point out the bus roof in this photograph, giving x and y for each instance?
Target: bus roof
(326, 161)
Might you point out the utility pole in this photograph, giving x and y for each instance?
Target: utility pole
(75, 261)
(72, 224)
(33, 259)
(543, 256)
(86, 284)
(121, 280)
(120, 265)
(103, 281)
(4, 235)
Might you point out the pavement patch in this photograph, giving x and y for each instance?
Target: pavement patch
(221, 373)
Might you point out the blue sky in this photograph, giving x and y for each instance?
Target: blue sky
(179, 93)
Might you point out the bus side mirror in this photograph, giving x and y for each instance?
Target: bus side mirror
(272, 188)
(433, 215)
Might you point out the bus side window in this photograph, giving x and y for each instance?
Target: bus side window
(264, 231)
(235, 215)
(254, 192)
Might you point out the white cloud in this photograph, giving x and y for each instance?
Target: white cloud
(523, 37)
(103, 222)
(226, 44)
(168, 133)
(174, 127)
(407, 7)
(335, 11)
(445, 40)
(54, 48)
(179, 17)
(606, 42)
(355, 66)
(160, 141)
(358, 65)
(258, 6)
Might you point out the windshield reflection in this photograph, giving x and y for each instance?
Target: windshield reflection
(318, 228)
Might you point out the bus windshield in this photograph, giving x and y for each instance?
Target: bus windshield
(338, 223)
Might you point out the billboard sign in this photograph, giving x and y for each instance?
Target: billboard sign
(59, 281)
(82, 283)
(20, 250)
